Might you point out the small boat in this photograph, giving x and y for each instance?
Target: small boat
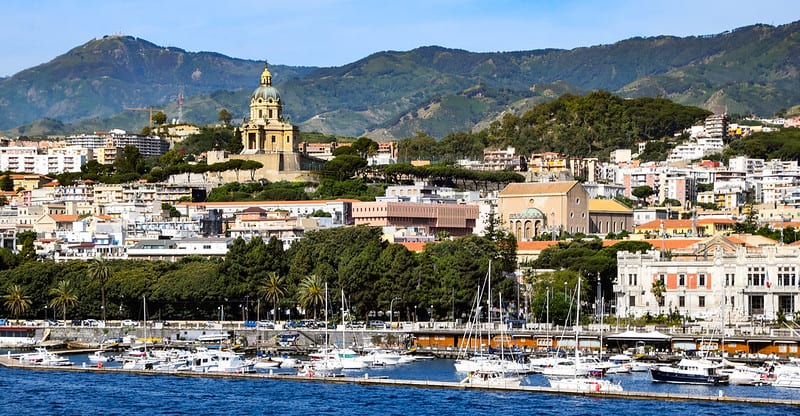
(585, 384)
(45, 358)
(486, 378)
(689, 371)
(622, 364)
(791, 381)
(100, 357)
(266, 363)
(743, 375)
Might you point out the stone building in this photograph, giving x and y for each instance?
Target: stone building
(270, 139)
(531, 209)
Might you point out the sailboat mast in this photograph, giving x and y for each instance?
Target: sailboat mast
(577, 321)
(327, 341)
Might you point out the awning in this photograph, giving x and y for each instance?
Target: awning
(652, 336)
(780, 341)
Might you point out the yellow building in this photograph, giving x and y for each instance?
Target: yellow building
(269, 138)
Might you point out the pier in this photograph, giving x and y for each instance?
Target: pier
(11, 362)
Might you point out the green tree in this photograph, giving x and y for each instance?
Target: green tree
(159, 118)
(312, 293)
(16, 301)
(63, 297)
(6, 183)
(100, 272)
(225, 117)
(658, 291)
(129, 161)
(273, 290)
(642, 193)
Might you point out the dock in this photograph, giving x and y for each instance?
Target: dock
(13, 363)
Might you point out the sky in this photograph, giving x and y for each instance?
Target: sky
(338, 32)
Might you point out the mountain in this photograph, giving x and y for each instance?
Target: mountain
(396, 94)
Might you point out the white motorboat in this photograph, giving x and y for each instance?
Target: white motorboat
(483, 378)
(585, 384)
(265, 363)
(787, 380)
(382, 356)
(100, 357)
(45, 358)
(622, 364)
(749, 376)
(231, 362)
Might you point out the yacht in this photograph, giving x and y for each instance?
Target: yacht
(689, 371)
(484, 378)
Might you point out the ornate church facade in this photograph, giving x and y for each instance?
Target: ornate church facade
(270, 139)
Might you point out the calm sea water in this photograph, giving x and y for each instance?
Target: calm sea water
(26, 392)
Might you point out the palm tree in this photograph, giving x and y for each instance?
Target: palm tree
(312, 292)
(658, 290)
(99, 271)
(16, 301)
(63, 297)
(273, 290)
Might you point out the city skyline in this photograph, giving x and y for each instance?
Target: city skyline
(338, 32)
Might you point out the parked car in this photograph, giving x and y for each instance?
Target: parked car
(90, 322)
(266, 324)
(130, 322)
(30, 322)
(376, 324)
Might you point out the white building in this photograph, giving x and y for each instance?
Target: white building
(739, 278)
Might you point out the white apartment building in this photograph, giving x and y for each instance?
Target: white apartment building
(55, 161)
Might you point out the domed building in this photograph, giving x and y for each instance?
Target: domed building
(266, 131)
(269, 138)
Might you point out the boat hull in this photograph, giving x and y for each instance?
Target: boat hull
(660, 375)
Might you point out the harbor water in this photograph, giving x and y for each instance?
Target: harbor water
(28, 392)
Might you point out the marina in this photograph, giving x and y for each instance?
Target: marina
(438, 374)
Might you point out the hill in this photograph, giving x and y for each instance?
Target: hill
(395, 94)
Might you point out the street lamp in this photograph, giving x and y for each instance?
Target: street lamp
(391, 310)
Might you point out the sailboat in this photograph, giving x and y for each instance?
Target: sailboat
(323, 363)
(578, 382)
(144, 361)
(489, 370)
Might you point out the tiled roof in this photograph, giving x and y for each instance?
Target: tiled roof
(537, 188)
(64, 217)
(607, 205)
(415, 246)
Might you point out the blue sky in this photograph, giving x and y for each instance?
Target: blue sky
(337, 32)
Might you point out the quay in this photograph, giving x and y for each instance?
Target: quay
(11, 363)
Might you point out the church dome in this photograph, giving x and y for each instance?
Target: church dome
(266, 92)
(532, 213)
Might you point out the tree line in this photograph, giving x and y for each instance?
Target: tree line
(257, 277)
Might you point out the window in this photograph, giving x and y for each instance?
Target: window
(701, 301)
(786, 304)
(756, 276)
(701, 280)
(682, 301)
(681, 280)
(730, 279)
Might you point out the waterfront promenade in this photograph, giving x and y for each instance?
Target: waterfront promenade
(444, 339)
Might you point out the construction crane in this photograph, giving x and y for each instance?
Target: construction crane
(150, 109)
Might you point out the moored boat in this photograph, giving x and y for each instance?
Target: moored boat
(487, 378)
(689, 371)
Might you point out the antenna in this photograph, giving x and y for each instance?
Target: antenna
(180, 107)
